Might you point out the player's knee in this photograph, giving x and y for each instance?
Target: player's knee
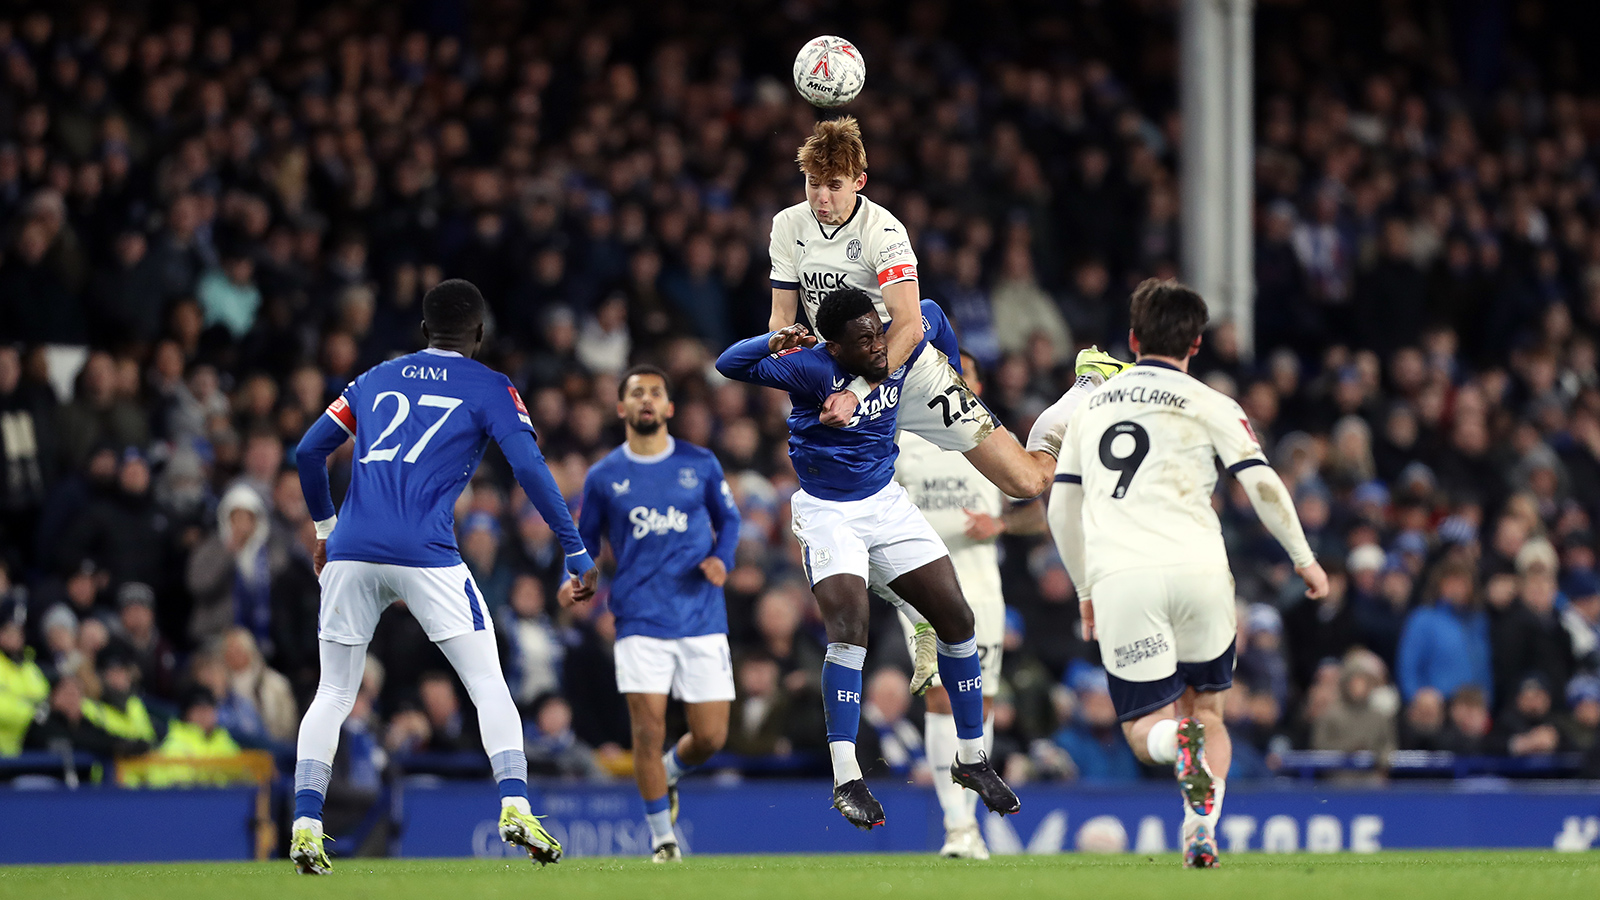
(710, 738)
(955, 622)
(648, 736)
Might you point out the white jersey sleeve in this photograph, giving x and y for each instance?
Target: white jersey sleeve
(889, 249)
(1231, 435)
(785, 275)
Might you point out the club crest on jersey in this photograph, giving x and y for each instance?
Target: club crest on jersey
(820, 557)
(688, 478)
(620, 487)
(853, 249)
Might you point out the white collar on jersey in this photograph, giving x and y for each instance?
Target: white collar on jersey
(654, 457)
(437, 352)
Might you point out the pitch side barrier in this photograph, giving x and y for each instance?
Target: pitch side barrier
(455, 818)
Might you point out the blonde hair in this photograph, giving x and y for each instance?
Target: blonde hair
(834, 150)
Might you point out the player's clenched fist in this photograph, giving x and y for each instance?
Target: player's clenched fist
(795, 335)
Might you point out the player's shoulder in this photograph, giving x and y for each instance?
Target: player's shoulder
(682, 449)
(608, 463)
(791, 217)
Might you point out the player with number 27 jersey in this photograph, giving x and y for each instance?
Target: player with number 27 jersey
(431, 413)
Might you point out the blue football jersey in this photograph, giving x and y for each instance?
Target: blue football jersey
(849, 463)
(664, 515)
(421, 424)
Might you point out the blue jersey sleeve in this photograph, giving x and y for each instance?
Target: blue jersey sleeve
(723, 511)
(528, 464)
(936, 330)
(592, 514)
(751, 360)
(504, 413)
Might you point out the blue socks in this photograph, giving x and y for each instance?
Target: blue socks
(311, 777)
(841, 706)
(962, 677)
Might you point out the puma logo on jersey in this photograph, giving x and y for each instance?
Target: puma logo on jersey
(620, 487)
(649, 521)
(799, 243)
(891, 228)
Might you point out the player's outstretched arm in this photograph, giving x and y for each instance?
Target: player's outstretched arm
(1273, 506)
(528, 465)
(311, 461)
(904, 302)
(765, 360)
(1065, 515)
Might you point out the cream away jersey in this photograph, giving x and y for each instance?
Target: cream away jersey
(868, 251)
(1145, 448)
(942, 484)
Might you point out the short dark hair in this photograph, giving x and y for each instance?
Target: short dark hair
(622, 385)
(837, 308)
(970, 367)
(1167, 317)
(453, 307)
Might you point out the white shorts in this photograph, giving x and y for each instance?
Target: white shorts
(937, 405)
(980, 584)
(1162, 630)
(695, 669)
(878, 538)
(445, 600)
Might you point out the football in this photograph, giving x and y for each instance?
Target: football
(829, 71)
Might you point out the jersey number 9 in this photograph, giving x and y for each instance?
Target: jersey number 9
(1127, 465)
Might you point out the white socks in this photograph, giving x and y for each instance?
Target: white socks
(845, 766)
(521, 804)
(1051, 425)
(939, 730)
(314, 824)
(661, 828)
(1162, 741)
(669, 761)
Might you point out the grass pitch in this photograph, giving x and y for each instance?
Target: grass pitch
(1411, 876)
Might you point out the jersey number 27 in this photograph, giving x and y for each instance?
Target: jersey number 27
(402, 411)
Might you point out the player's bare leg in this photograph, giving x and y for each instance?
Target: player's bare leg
(1190, 736)
(708, 732)
(935, 592)
(648, 715)
(842, 600)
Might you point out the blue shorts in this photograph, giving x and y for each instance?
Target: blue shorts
(1133, 699)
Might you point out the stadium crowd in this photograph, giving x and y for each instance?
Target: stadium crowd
(213, 218)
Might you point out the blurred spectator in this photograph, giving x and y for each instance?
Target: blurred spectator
(64, 728)
(22, 683)
(890, 744)
(30, 446)
(441, 705)
(481, 550)
(236, 574)
(267, 690)
(552, 746)
(1467, 734)
(123, 529)
(1423, 728)
(1527, 727)
(235, 712)
(759, 717)
(1321, 629)
(1445, 645)
(534, 645)
(197, 737)
(136, 629)
(99, 414)
(1580, 726)
(1093, 738)
(1358, 721)
(1261, 666)
(1527, 637)
(120, 710)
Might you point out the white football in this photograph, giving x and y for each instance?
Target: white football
(1102, 834)
(829, 71)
